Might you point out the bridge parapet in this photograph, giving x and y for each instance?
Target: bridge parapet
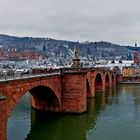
(47, 72)
(74, 70)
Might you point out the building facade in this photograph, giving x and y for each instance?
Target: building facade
(132, 71)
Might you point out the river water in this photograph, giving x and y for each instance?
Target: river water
(111, 115)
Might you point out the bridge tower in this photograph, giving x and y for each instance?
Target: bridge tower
(136, 55)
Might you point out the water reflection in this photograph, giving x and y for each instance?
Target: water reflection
(120, 120)
(68, 126)
(113, 114)
(18, 125)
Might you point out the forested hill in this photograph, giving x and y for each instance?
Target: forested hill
(99, 49)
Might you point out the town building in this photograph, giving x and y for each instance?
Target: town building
(134, 69)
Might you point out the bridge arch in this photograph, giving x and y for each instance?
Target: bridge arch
(113, 78)
(88, 90)
(41, 95)
(107, 81)
(44, 98)
(15, 89)
(98, 82)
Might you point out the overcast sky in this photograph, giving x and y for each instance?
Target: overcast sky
(117, 21)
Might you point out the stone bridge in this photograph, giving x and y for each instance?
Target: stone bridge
(61, 90)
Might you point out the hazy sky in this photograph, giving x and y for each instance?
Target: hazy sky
(116, 21)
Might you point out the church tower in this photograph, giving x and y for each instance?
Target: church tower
(136, 55)
(44, 47)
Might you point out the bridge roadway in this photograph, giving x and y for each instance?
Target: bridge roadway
(25, 76)
(57, 90)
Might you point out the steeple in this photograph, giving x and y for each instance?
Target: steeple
(136, 55)
(44, 47)
(135, 44)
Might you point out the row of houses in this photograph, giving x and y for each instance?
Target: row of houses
(13, 53)
(131, 71)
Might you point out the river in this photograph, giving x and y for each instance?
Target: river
(111, 115)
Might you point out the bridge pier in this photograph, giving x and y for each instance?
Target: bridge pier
(74, 96)
(3, 118)
(119, 79)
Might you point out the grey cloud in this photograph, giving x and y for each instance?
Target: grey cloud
(115, 21)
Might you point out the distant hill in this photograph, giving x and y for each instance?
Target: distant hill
(99, 50)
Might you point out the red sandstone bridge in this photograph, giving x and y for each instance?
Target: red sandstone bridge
(61, 90)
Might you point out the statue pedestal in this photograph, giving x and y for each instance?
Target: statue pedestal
(76, 62)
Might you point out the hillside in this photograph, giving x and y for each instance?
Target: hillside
(61, 47)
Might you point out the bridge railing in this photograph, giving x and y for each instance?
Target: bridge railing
(34, 73)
